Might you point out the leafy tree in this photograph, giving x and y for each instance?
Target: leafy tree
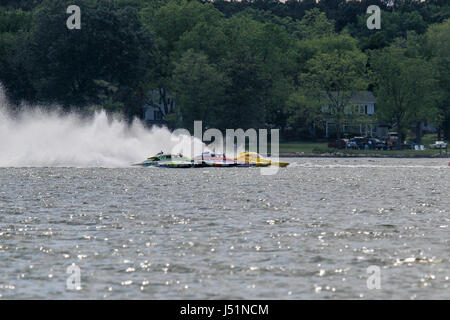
(167, 24)
(333, 77)
(14, 25)
(247, 63)
(13, 21)
(315, 24)
(404, 87)
(110, 46)
(394, 25)
(438, 45)
(276, 60)
(107, 97)
(303, 114)
(199, 88)
(20, 4)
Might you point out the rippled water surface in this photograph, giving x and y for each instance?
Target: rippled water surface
(308, 232)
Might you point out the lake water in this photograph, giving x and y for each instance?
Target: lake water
(308, 232)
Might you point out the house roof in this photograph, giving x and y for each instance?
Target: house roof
(363, 97)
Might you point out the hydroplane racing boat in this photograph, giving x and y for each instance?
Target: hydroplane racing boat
(167, 161)
(253, 159)
(208, 159)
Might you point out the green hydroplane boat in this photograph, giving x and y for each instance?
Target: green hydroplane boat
(167, 161)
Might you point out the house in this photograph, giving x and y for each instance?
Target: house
(359, 114)
(158, 104)
(153, 115)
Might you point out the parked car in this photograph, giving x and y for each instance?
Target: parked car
(338, 144)
(379, 145)
(393, 135)
(438, 145)
(362, 143)
(357, 143)
(352, 144)
(409, 145)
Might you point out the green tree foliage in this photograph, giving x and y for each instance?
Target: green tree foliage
(168, 23)
(241, 64)
(404, 87)
(256, 61)
(107, 98)
(303, 113)
(19, 4)
(315, 24)
(14, 25)
(13, 21)
(62, 65)
(394, 25)
(334, 76)
(438, 51)
(200, 90)
(253, 56)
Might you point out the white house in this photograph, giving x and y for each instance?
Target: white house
(158, 104)
(360, 115)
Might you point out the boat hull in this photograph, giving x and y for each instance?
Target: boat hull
(175, 165)
(255, 160)
(245, 159)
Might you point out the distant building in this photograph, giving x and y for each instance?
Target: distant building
(360, 114)
(157, 106)
(363, 103)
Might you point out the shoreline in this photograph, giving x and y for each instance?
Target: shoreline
(359, 155)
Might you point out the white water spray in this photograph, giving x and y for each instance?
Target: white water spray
(39, 138)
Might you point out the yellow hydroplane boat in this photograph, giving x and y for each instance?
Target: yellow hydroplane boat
(256, 160)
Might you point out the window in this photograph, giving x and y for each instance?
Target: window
(365, 109)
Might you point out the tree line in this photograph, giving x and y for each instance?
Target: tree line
(238, 64)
